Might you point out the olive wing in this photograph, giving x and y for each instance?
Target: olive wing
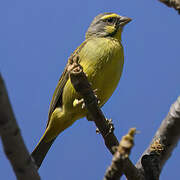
(57, 96)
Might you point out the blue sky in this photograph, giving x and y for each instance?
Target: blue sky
(38, 36)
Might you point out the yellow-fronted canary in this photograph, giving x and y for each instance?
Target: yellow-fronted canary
(101, 56)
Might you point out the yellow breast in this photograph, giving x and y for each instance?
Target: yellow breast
(102, 60)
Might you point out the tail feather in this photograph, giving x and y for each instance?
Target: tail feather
(40, 151)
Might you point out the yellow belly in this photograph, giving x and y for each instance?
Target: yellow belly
(102, 60)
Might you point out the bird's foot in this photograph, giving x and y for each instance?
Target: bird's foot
(77, 102)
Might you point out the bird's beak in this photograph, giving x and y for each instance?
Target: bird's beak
(124, 20)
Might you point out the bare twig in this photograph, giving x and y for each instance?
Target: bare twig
(162, 145)
(12, 140)
(121, 163)
(172, 3)
(82, 86)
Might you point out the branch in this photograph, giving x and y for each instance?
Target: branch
(121, 163)
(162, 145)
(172, 3)
(105, 127)
(153, 159)
(12, 140)
(82, 86)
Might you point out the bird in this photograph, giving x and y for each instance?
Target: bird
(101, 56)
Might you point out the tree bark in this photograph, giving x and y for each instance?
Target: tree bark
(12, 141)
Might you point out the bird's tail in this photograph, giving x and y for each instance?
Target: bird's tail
(40, 151)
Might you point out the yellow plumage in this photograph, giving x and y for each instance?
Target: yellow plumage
(101, 56)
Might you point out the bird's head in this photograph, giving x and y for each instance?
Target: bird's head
(107, 25)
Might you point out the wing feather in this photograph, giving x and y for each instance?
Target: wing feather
(57, 96)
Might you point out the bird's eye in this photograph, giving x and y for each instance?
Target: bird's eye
(110, 20)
